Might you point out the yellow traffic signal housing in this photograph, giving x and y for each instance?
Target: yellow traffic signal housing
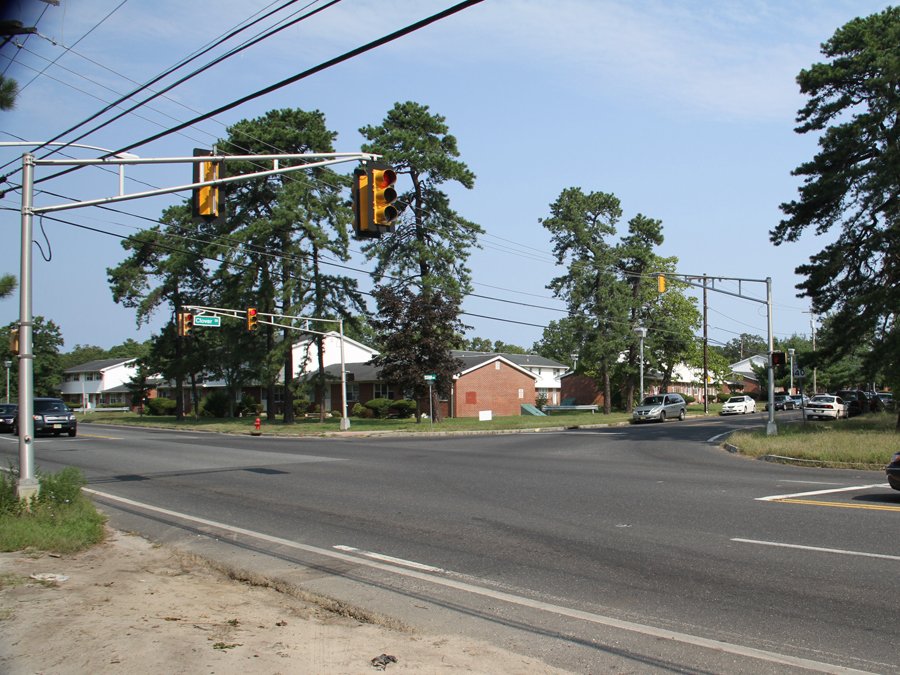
(206, 202)
(252, 318)
(661, 283)
(185, 324)
(383, 196)
(14, 341)
(374, 195)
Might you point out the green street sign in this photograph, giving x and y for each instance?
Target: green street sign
(209, 321)
(430, 378)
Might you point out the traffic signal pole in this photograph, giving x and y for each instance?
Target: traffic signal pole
(27, 485)
(272, 320)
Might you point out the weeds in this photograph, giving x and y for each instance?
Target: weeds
(59, 518)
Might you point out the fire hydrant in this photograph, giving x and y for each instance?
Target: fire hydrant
(256, 430)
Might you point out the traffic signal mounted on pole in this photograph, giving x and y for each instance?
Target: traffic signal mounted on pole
(374, 195)
(778, 359)
(252, 318)
(661, 283)
(206, 202)
(185, 324)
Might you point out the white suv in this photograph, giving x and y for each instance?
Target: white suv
(738, 405)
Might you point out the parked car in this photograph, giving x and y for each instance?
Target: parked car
(893, 471)
(51, 416)
(856, 400)
(887, 400)
(660, 407)
(825, 406)
(782, 402)
(8, 413)
(738, 405)
(800, 400)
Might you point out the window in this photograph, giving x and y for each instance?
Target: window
(352, 391)
(383, 390)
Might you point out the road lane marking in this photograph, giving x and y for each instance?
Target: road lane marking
(388, 558)
(814, 493)
(839, 505)
(599, 619)
(818, 549)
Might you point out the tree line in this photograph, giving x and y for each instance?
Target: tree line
(284, 239)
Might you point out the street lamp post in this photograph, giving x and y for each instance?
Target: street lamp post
(641, 332)
(791, 355)
(8, 365)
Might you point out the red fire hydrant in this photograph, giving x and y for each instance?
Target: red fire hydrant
(256, 424)
(256, 431)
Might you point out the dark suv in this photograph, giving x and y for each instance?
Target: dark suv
(51, 416)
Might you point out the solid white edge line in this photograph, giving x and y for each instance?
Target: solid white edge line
(610, 622)
(818, 549)
(821, 492)
(388, 558)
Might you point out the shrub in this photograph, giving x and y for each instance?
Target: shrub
(402, 409)
(303, 406)
(688, 398)
(380, 406)
(160, 406)
(359, 410)
(541, 400)
(249, 406)
(214, 404)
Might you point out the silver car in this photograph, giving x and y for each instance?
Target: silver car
(660, 407)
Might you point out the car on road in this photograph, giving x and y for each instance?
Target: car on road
(782, 402)
(825, 406)
(800, 400)
(8, 413)
(660, 407)
(856, 400)
(893, 471)
(51, 416)
(738, 405)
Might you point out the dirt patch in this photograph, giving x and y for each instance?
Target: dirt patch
(132, 607)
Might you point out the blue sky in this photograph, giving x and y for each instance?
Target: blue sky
(684, 110)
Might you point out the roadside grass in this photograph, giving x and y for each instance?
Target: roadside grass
(863, 442)
(331, 425)
(60, 520)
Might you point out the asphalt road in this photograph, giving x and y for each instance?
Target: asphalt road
(638, 548)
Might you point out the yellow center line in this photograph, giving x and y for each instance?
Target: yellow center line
(840, 505)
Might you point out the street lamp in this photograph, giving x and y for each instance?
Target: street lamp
(8, 365)
(574, 357)
(791, 354)
(641, 332)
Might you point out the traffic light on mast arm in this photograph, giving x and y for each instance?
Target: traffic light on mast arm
(206, 202)
(374, 195)
(185, 324)
(252, 318)
(661, 283)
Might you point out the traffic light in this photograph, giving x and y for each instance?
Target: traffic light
(661, 283)
(778, 359)
(206, 202)
(14, 341)
(252, 318)
(383, 196)
(185, 324)
(374, 195)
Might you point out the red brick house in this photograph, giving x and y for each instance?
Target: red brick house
(486, 382)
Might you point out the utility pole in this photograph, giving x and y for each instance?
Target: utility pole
(705, 349)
